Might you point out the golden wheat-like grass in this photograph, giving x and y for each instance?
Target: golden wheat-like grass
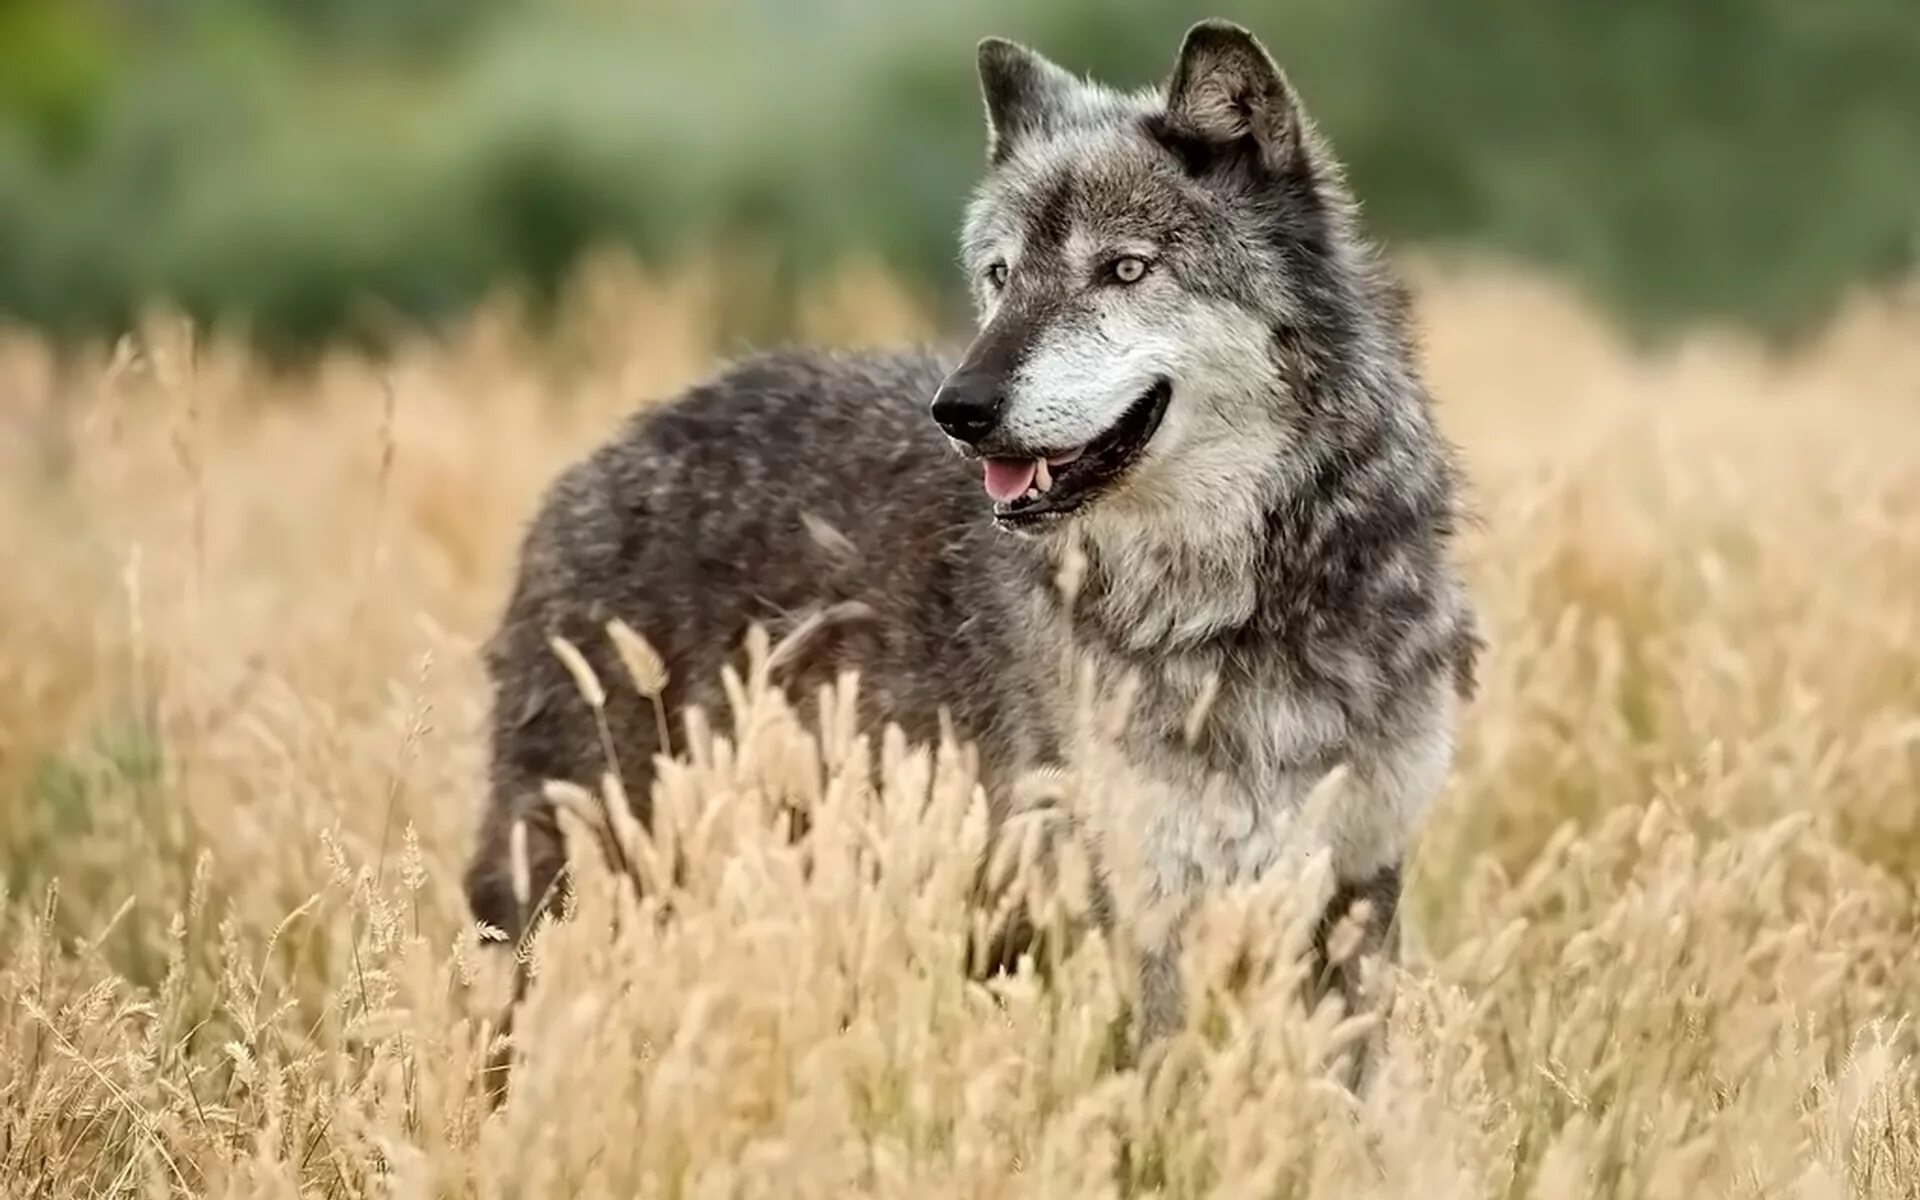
(1662, 930)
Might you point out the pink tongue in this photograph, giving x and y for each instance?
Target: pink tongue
(1009, 478)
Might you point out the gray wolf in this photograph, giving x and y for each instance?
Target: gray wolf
(1194, 380)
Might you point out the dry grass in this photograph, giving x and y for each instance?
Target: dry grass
(1664, 922)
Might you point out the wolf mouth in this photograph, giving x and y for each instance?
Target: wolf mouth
(1048, 486)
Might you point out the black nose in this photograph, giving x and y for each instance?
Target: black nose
(967, 407)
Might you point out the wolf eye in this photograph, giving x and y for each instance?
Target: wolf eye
(997, 276)
(1127, 268)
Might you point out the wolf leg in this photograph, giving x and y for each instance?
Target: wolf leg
(1392, 781)
(1356, 940)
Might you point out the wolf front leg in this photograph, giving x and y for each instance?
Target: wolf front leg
(1355, 940)
(1369, 825)
(1037, 909)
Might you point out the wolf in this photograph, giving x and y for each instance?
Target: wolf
(1193, 385)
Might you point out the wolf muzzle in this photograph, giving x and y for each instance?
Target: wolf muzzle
(968, 406)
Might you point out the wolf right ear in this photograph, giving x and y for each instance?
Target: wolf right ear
(1227, 91)
(1024, 93)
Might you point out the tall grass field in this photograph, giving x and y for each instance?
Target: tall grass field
(1662, 933)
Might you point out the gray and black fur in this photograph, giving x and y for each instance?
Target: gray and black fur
(1182, 321)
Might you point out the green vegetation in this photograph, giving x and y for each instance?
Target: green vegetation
(307, 168)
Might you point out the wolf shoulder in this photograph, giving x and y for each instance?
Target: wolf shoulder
(736, 455)
(776, 417)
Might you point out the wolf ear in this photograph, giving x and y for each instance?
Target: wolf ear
(1226, 91)
(1024, 92)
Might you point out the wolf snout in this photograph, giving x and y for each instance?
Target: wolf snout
(968, 407)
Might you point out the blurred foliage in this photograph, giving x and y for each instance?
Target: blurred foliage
(308, 168)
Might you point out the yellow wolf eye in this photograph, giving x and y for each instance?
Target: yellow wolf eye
(997, 275)
(1127, 269)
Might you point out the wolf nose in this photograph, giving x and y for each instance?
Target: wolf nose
(967, 408)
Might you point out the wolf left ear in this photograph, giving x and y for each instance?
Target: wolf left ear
(1024, 93)
(1227, 90)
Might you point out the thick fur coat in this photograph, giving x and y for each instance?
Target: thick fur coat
(1193, 391)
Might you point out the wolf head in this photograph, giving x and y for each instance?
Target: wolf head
(1158, 276)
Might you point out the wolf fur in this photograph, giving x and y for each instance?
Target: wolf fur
(1173, 286)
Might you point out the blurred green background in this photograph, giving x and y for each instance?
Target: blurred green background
(305, 169)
